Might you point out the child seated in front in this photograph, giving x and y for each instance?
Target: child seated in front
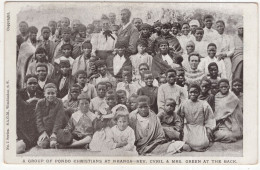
(170, 121)
(80, 125)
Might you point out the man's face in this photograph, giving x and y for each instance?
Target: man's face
(102, 70)
(84, 105)
(45, 34)
(208, 22)
(143, 109)
(105, 25)
(190, 48)
(33, 36)
(101, 90)
(121, 51)
(41, 72)
(205, 87)
(138, 23)
(175, 30)
(164, 48)
(52, 28)
(41, 57)
(237, 87)
(169, 106)
(214, 88)
(240, 31)
(31, 84)
(65, 22)
(199, 35)
(223, 88)
(142, 69)
(171, 78)
(23, 28)
(165, 31)
(87, 51)
(122, 123)
(194, 62)
(127, 76)
(213, 72)
(66, 36)
(66, 51)
(185, 29)
(65, 70)
(220, 28)
(75, 91)
(50, 94)
(148, 79)
(180, 77)
(82, 78)
(194, 94)
(125, 16)
(212, 51)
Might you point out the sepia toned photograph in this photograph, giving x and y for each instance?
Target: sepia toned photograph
(123, 81)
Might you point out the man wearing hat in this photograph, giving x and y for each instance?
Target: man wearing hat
(172, 41)
(64, 80)
(103, 74)
(193, 25)
(104, 42)
(66, 39)
(128, 33)
(145, 34)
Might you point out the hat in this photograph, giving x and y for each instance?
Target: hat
(145, 26)
(50, 85)
(99, 63)
(64, 137)
(65, 62)
(194, 22)
(157, 24)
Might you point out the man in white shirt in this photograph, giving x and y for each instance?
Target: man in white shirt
(209, 33)
(103, 43)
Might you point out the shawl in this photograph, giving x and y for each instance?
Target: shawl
(159, 66)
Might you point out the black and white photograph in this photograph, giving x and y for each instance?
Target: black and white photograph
(113, 79)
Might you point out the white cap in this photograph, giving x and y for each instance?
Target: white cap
(194, 22)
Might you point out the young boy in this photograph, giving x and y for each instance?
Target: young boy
(170, 121)
(210, 35)
(237, 88)
(127, 83)
(170, 90)
(89, 89)
(132, 102)
(180, 77)
(162, 80)
(66, 52)
(206, 94)
(99, 102)
(121, 97)
(149, 90)
(141, 57)
(213, 75)
(49, 117)
(228, 114)
(199, 118)
(214, 88)
(211, 49)
(200, 44)
(81, 124)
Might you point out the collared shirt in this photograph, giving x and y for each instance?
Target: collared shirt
(42, 83)
(99, 42)
(168, 59)
(126, 25)
(130, 88)
(210, 35)
(118, 63)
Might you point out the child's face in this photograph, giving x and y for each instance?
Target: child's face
(208, 22)
(237, 87)
(74, 93)
(31, 84)
(205, 87)
(143, 109)
(41, 57)
(109, 86)
(66, 51)
(194, 94)
(101, 90)
(121, 51)
(175, 30)
(164, 48)
(127, 76)
(185, 29)
(82, 33)
(138, 23)
(133, 103)
(169, 106)
(220, 28)
(87, 51)
(50, 94)
(171, 78)
(102, 70)
(41, 72)
(162, 80)
(213, 72)
(199, 35)
(148, 79)
(92, 65)
(122, 98)
(223, 88)
(84, 105)
(82, 78)
(111, 101)
(145, 32)
(141, 49)
(65, 70)
(180, 76)
(214, 88)
(142, 69)
(66, 36)
(212, 51)
(45, 34)
(122, 123)
(190, 48)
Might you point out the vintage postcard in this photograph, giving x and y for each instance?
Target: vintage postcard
(131, 83)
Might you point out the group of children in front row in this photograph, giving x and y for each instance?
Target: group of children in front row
(110, 122)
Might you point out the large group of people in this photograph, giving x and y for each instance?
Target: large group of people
(129, 87)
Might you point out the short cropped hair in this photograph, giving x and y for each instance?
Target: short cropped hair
(28, 76)
(118, 92)
(212, 64)
(212, 45)
(185, 23)
(223, 81)
(81, 72)
(171, 70)
(170, 99)
(194, 54)
(207, 17)
(52, 23)
(102, 83)
(143, 98)
(199, 29)
(221, 21)
(23, 22)
(41, 65)
(50, 85)
(75, 86)
(45, 27)
(40, 50)
(128, 11)
(207, 80)
(33, 29)
(194, 85)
